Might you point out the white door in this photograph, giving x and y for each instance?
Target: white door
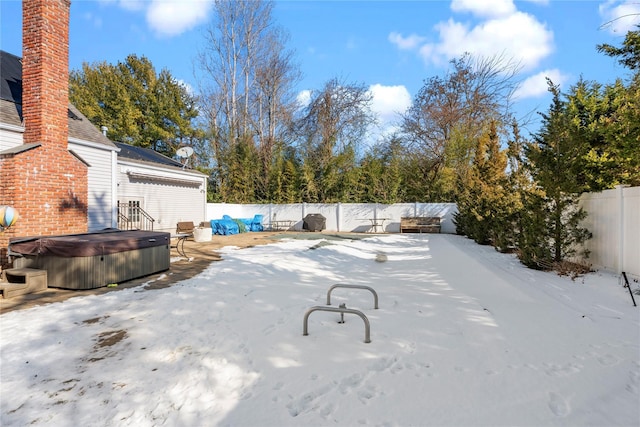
(130, 213)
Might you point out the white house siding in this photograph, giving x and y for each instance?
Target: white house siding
(168, 202)
(101, 202)
(9, 137)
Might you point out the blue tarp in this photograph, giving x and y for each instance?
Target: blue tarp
(228, 225)
(256, 223)
(224, 227)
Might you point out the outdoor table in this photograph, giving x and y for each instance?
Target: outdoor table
(180, 243)
(375, 223)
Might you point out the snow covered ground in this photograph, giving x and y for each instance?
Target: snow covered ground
(464, 336)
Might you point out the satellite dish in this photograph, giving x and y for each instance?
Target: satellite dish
(184, 152)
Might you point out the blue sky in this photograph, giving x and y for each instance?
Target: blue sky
(390, 46)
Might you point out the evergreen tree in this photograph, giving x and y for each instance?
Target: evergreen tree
(244, 168)
(380, 178)
(552, 232)
(518, 185)
(620, 130)
(620, 127)
(628, 54)
(534, 249)
(483, 199)
(605, 122)
(138, 106)
(284, 179)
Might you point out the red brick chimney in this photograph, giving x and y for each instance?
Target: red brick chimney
(45, 72)
(45, 183)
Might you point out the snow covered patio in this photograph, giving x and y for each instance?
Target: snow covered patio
(464, 336)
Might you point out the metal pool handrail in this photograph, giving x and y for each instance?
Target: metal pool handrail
(342, 310)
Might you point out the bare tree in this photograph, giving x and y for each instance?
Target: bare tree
(331, 128)
(247, 76)
(448, 114)
(273, 98)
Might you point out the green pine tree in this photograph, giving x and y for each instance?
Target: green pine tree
(554, 160)
(483, 200)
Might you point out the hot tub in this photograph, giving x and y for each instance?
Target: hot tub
(93, 260)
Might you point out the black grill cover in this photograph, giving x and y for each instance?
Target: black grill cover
(314, 222)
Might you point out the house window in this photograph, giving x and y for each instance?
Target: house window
(133, 210)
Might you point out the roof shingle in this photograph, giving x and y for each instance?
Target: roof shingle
(11, 103)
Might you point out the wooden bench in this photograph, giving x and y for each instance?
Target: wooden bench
(22, 281)
(420, 224)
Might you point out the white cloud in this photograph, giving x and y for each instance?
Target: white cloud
(133, 5)
(484, 8)
(518, 36)
(190, 90)
(170, 18)
(95, 21)
(500, 29)
(536, 86)
(352, 43)
(619, 17)
(405, 43)
(389, 101)
(303, 98)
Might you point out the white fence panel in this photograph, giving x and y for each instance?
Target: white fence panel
(358, 217)
(340, 217)
(216, 210)
(631, 231)
(614, 219)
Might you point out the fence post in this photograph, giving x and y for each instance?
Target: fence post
(620, 196)
(270, 217)
(304, 210)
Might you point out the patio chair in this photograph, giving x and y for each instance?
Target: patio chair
(185, 227)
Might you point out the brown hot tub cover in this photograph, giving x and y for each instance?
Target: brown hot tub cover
(92, 260)
(89, 244)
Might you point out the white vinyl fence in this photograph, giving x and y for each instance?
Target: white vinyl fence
(340, 217)
(614, 219)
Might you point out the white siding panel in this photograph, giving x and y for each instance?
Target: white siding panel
(101, 201)
(100, 178)
(168, 203)
(9, 139)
